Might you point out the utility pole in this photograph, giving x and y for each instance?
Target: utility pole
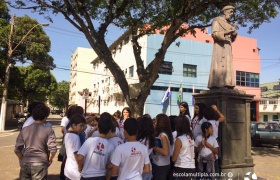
(7, 77)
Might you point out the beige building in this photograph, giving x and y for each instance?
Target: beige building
(270, 101)
(81, 75)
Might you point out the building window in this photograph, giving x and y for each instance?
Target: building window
(189, 70)
(131, 70)
(274, 116)
(247, 79)
(273, 101)
(166, 68)
(265, 118)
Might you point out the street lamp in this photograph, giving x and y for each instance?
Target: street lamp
(7, 72)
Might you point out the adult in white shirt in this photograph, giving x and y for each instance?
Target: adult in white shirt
(72, 146)
(130, 159)
(183, 155)
(95, 153)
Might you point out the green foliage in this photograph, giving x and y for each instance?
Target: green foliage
(60, 97)
(30, 83)
(34, 47)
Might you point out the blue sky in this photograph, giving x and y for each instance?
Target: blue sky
(65, 39)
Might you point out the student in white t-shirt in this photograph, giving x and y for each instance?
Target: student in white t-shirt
(72, 146)
(207, 147)
(92, 125)
(183, 155)
(115, 141)
(198, 119)
(146, 136)
(95, 153)
(215, 117)
(184, 110)
(130, 159)
(164, 139)
(112, 135)
(93, 132)
(117, 117)
(126, 113)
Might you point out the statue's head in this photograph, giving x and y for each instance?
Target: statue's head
(228, 12)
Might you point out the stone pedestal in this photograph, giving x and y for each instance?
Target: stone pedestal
(234, 132)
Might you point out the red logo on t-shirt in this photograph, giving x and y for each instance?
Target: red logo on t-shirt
(100, 146)
(134, 152)
(133, 149)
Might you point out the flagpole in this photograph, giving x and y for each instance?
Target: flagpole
(192, 95)
(170, 102)
(182, 92)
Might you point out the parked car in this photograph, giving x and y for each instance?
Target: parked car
(62, 114)
(276, 120)
(265, 133)
(57, 111)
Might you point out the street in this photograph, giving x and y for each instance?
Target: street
(266, 158)
(9, 165)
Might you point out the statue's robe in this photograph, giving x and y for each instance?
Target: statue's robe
(222, 71)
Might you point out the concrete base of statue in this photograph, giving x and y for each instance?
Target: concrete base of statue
(234, 133)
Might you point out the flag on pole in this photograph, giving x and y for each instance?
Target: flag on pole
(166, 95)
(193, 100)
(179, 96)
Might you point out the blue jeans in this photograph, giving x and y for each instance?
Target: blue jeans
(147, 176)
(36, 171)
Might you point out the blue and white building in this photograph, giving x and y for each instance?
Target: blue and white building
(186, 62)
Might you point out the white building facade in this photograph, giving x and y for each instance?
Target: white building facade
(81, 75)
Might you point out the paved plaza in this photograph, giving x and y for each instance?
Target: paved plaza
(266, 158)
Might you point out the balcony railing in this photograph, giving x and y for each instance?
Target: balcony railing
(116, 89)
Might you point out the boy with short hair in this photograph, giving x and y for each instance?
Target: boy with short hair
(95, 153)
(40, 146)
(130, 159)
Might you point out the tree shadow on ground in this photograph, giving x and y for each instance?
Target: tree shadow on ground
(266, 150)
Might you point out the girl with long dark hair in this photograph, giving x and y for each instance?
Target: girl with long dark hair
(146, 136)
(198, 119)
(164, 139)
(184, 110)
(183, 155)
